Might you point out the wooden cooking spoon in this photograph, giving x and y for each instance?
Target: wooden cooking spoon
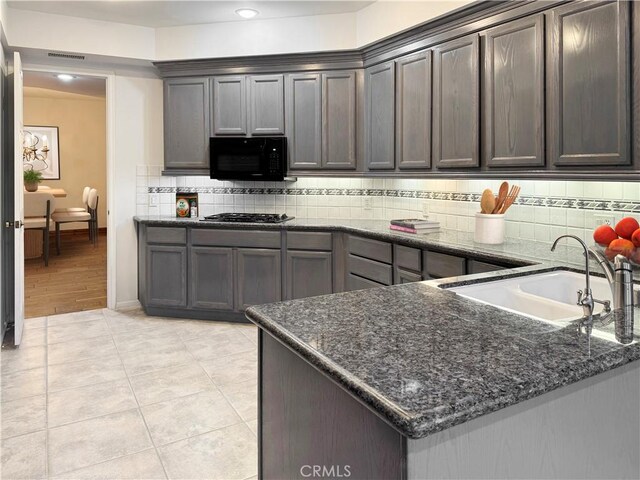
(502, 196)
(487, 201)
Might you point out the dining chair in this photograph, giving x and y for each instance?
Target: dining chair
(90, 216)
(37, 215)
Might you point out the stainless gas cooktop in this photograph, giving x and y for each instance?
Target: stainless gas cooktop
(248, 217)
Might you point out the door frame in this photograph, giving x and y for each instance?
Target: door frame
(110, 78)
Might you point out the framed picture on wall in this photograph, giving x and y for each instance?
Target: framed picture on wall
(35, 156)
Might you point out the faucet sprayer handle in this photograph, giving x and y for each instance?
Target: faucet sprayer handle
(580, 293)
(620, 262)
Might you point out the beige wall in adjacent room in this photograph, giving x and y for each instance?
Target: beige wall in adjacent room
(81, 122)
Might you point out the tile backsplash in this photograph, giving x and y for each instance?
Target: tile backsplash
(544, 210)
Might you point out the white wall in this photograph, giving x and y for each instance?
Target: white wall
(257, 37)
(138, 141)
(80, 35)
(384, 18)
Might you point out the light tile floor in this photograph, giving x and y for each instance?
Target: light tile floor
(119, 395)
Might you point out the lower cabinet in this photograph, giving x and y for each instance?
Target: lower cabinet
(166, 275)
(308, 274)
(259, 277)
(211, 278)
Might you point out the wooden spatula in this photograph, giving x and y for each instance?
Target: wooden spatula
(487, 201)
(502, 196)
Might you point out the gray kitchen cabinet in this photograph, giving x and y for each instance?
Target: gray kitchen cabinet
(304, 120)
(187, 123)
(266, 104)
(401, 275)
(513, 111)
(413, 111)
(380, 116)
(211, 278)
(456, 103)
(309, 274)
(588, 84)
(442, 265)
(339, 120)
(478, 266)
(258, 277)
(166, 275)
(229, 105)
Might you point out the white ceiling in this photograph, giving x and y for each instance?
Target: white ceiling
(81, 85)
(168, 13)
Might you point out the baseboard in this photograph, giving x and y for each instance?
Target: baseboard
(127, 305)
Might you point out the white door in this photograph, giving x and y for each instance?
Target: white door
(18, 125)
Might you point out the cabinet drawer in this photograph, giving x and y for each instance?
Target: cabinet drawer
(235, 238)
(167, 235)
(441, 265)
(358, 283)
(374, 249)
(400, 276)
(407, 257)
(376, 271)
(309, 241)
(476, 266)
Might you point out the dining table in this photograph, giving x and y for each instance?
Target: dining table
(33, 238)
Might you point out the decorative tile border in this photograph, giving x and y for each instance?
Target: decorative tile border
(533, 201)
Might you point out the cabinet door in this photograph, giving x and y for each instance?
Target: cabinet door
(339, 120)
(304, 121)
(186, 123)
(514, 94)
(166, 276)
(400, 276)
(211, 278)
(266, 104)
(413, 111)
(476, 266)
(229, 105)
(588, 89)
(456, 99)
(308, 274)
(380, 116)
(259, 277)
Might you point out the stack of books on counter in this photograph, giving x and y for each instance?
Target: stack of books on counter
(415, 225)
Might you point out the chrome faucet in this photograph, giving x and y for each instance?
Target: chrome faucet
(620, 278)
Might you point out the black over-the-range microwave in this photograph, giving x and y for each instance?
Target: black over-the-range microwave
(248, 158)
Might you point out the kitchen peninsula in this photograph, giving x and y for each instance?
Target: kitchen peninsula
(413, 381)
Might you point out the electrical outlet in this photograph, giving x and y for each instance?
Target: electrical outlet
(154, 199)
(425, 208)
(604, 219)
(367, 204)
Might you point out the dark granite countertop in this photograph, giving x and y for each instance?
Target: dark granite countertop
(427, 359)
(512, 251)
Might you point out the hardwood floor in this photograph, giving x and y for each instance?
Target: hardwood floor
(75, 280)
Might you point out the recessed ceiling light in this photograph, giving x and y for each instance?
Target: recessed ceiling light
(247, 12)
(65, 77)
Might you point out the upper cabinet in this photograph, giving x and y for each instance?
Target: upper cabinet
(413, 111)
(456, 103)
(266, 104)
(339, 94)
(588, 84)
(229, 105)
(304, 120)
(321, 120)
(513, 112)
(186, 123)
(379, 82)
